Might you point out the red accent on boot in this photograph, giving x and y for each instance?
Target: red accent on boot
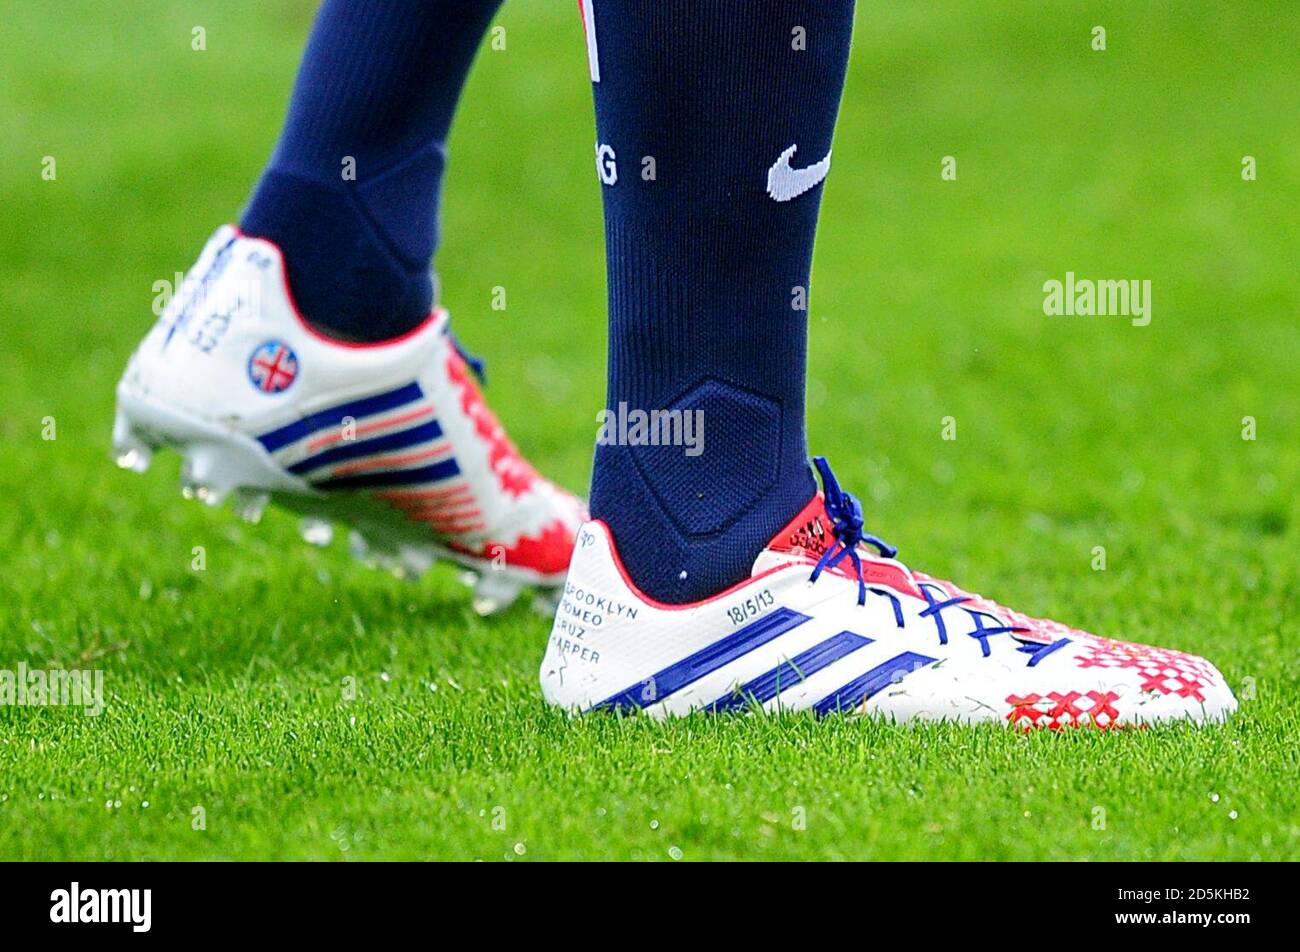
(515, 473)
(547, 553)
(809, 534)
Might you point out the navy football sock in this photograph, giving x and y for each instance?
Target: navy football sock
(351, 193)
(714, 121)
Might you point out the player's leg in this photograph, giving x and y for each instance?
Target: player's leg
(301, 358)
(720, 579)
(708, 269)
(351, 194)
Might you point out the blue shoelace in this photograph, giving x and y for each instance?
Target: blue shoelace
(845, 513)
(477, 365)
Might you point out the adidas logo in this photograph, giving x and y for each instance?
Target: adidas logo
(811, 536)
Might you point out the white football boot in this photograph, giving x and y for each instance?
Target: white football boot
(391, 439)
(824, 624)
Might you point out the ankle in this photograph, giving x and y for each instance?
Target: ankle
(651, 523)
(343, 280)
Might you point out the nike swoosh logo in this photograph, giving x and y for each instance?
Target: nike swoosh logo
(785, 183)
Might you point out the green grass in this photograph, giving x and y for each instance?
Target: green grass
(225, 686)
